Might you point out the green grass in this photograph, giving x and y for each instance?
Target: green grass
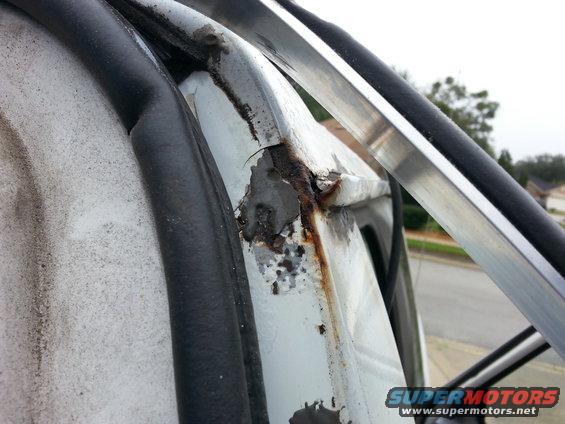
(434, 227)
(431, 247)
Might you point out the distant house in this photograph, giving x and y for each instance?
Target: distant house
(550, 196)
(539, 189)
(556, 199)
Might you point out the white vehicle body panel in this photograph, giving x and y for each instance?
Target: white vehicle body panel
(85, 332)
(355, 361)
(84, 325)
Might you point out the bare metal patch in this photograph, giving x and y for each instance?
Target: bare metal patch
(270, 205)
(316, 413)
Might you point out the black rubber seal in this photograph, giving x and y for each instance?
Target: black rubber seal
(479, 168)
(396, 245)
(215, 350)
(494, 356)
(481, 365)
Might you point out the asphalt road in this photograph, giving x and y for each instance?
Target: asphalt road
(463, 304)
(465, 316)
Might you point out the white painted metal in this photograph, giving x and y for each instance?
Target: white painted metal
(351, 189)
(355, 361)
(84, 326)
(84, 331)
(519, 269)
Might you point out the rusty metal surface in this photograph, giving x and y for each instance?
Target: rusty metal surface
(82, 263)
(323, 330)
(494, 236)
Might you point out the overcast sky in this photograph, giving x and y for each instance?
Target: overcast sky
(513, 49)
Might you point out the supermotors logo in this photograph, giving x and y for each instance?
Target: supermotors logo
(491, 402)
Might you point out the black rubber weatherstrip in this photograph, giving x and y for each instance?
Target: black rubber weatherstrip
(485, 174)
(396, 245)
(496, 355)
(217, 368)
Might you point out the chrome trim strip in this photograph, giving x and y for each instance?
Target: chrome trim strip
(509, 360)
(522, 273)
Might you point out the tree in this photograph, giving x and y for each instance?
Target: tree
(550, 168)
(315, 108)
(473, 112)
(523, 178)
(505, 161)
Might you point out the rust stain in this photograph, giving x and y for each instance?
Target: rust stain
(303, 181)
(325, 281)
(310, 198)
(275, 288)
(243, 109)
(287, 264)
(327, 197)
(180, 52)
